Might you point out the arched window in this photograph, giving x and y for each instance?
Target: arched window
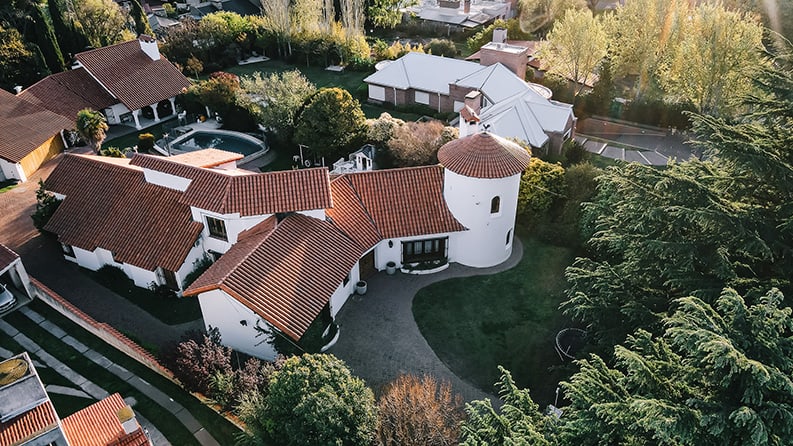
(495, 205)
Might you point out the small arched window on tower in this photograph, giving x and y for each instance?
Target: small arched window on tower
(495, 205)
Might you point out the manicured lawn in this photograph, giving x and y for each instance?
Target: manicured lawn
(7, 185)
(511, 319)
(219, 427)
(349, 80)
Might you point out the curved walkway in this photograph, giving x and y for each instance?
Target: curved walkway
(380, 339)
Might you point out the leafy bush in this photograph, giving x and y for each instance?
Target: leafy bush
(442, 47)
(312, 400)
(46, 205)
(199, 358)
(574, 153)
(113, 152)
(417, 143)
(145, 143)
(540, 185)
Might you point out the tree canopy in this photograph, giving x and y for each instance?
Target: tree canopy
(91, 126)
(279, 96)
(330, 124)
(311, 400)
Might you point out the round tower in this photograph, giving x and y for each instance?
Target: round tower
(481, 181)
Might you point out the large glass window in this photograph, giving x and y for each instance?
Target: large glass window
(421, 250)
(217, 228)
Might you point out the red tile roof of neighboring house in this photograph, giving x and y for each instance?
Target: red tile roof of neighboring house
(257, 194)
(484, 155)
(69, 92)
(7, 256)
(132, 76)
(206, 158)
(25, 126)
(29, 425)
(285, 275)
(98, 425)
(405, 202)
(112, 206)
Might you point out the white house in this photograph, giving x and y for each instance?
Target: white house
(290, 245)
(119, 80)
(506, 105)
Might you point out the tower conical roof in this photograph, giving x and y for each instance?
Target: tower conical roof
(484, 155)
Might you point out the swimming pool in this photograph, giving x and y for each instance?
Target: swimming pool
(236, 142)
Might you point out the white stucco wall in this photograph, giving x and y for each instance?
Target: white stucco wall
(11, 170)
(114, 112)
(384, 253)
(86, 259)
(319, 214)
(484, 244)
(343, 292)
(197, 252)
(166, 180)
(234, 225)
(142, 278)
(223, 312)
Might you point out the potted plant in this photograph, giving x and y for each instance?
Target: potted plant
(390, 268)
(360, 287)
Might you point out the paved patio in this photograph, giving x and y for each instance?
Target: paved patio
(379, 338)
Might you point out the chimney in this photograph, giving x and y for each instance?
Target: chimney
(466, 6)
(500, 35)
(127, 419)
(473, 100)
(18, 89)
(469, 114)
(149, 46)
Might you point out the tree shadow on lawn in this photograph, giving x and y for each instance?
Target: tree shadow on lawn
(511, 319)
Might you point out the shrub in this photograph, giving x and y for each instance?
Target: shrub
(540, 185)
(113, 152)
(145, 143)
(574, 152)
(442, 47)
(200, 357)
(312, 400)
(419, 412)
(417, 143)
(46, 205)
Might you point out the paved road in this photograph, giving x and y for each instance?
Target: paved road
(379, 338)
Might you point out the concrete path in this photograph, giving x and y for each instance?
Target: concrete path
(179, 411)
(379, 338)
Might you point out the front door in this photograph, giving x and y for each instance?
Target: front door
(168, 278)
(367, 266)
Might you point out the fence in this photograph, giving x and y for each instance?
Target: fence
(101, 330)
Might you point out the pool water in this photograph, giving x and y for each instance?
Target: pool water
(206, 140)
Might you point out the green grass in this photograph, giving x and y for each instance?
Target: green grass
(7, 185)
(169, 310)
(511, 318)
(130, 140)
(349, 80)
(66, 405)
(220, 428)
(167, 423)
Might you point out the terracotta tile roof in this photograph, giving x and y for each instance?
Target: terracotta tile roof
(7, 256)
(484, 155)
(405, 202)
(349, 215)
(25, 126)
(255, 194)
(286, 275)
(98, 425)
(133, 77)
(206, 158)
(113, 207)
(68, 92)
(29, 425)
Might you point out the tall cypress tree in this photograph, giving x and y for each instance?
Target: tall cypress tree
(71, 40)
(45, 38)
(141, 21)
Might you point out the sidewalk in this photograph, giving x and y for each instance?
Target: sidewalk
(187, 419)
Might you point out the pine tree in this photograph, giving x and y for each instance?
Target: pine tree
(142, 25)
(45, 38)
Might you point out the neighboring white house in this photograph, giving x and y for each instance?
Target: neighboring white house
(119, 80)
(507, 106)
(293, 243)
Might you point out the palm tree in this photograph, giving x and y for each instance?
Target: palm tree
(92, 125)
